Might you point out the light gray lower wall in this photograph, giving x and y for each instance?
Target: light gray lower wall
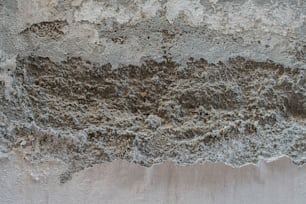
(278, 182)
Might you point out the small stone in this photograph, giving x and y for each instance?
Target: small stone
(153, 121)
(23, 143)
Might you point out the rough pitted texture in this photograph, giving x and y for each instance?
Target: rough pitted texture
(149, 81)
(86, 113)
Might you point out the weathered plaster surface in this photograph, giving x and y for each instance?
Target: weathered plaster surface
(148, 81)
(214, 30)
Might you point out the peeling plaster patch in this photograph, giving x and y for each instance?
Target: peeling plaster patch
(258, 30)
(150, 8)
(159, 111)
(229, 18)
(44, 11)
(192, 9)
(279, 18)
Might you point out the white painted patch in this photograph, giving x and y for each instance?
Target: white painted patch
(76, 2)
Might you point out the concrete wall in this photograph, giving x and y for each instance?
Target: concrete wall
(88, 82)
